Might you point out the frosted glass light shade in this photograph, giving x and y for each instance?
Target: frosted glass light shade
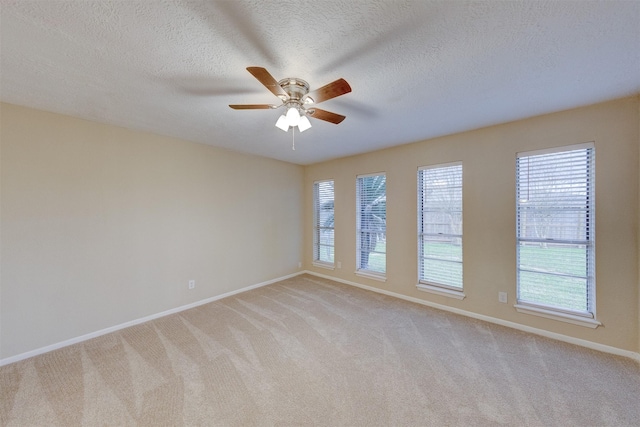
(303, 124)
(282, 123)
(293, 117)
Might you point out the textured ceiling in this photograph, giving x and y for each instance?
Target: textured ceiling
(418, 69)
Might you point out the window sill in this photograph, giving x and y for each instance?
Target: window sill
(559, 316)
(371, 275)
(326, 265)
(440, 291)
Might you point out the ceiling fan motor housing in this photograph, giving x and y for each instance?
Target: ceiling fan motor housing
(297, 89)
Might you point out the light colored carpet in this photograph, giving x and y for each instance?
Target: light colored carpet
(309, 351)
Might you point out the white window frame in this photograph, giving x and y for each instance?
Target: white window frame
(365, 272)
(583, 318)
(318, 228)
(444, 289)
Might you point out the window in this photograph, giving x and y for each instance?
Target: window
(555, 231)
(440, 226)
(323, 222)
(371, 224)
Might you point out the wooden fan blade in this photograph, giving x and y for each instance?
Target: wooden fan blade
(252, 106)
(268, 81)
(327, 116)
(337, 88)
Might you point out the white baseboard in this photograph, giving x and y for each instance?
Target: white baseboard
(560, 337)
(115, 328)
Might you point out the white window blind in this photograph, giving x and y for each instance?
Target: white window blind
(371, 223)
(555, 229)
(440, 225)
(323, 222)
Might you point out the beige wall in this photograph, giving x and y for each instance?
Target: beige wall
(488, 157)
(102, 225)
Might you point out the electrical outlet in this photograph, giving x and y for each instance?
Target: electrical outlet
(299, 264)
(192, 284)
(339, 264)
(502, 297)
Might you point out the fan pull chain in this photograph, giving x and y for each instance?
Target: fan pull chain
(293, 138)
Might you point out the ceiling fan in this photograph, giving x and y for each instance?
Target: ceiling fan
(298, 100)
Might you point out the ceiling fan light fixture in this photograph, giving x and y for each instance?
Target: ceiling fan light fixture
(282, 123)
(303, 124)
